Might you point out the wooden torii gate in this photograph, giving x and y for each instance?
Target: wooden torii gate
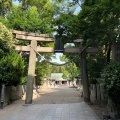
(34, 38)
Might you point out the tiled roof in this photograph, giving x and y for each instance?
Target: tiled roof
(57, 77)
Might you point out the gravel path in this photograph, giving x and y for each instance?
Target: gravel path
(58, 95)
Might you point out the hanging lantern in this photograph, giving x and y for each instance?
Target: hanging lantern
(58, 46)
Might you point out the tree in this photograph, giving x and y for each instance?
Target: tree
(64, 21)
(32, 16)
(5, 6)
(98, 20)
(57, 68)
(32, 20)
(43, 69)
(96, 62)
(71, 70)
(64, 25)
(11, 64)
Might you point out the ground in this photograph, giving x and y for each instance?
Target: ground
(50, 95)
(99, 109)
(61, 95)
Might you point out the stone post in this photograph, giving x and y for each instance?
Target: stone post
(114, 51)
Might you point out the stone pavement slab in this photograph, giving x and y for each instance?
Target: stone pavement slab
(71, 111)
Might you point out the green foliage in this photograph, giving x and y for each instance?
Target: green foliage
(96, 62)
(57, 69)
(5, 6)
(23, 80)
(3, 20)
(70, 70)
(97, 23)
(42, 69)
(65, 22)
(110, 80)
(34, 19)
(30, 17)
(6, 38)
(66, 27)
(11, 69)
(11, 64)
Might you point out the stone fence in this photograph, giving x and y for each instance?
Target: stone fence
(97, 94)
(13, 93)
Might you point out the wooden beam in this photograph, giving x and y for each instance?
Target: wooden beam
(92, 50)
(78, 40)
(29, 33)
(45, 49)
(74, 41)
(29, 38)
(22, 48)
(39, 49)
(77, 50)
(51, 49)
(71, 50)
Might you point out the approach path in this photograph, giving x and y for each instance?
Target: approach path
(59, 103)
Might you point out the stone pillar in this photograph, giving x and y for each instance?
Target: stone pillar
(85, 82)
(31, 72)
(98, 92)
(94, 91)
(114, 51)
(102, 93)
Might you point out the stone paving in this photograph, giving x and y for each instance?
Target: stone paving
(67, 111)
(75, 111)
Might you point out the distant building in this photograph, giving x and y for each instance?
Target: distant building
(57, 77)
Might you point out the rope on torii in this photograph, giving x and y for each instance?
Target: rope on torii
(57, 63)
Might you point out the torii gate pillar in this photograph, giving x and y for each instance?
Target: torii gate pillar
(31, 72)
(85, 82)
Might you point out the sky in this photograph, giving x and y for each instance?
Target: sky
(57, 58)
(16, 2)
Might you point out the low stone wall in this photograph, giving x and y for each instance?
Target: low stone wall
(97, 94)
(13, 93)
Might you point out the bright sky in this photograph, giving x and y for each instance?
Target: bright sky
(57, 58)
(16, 2)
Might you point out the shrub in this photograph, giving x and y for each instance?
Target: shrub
(23, 80)
(110, 80)
(11, 69)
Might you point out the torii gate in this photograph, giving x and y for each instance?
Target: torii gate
(34, 38)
